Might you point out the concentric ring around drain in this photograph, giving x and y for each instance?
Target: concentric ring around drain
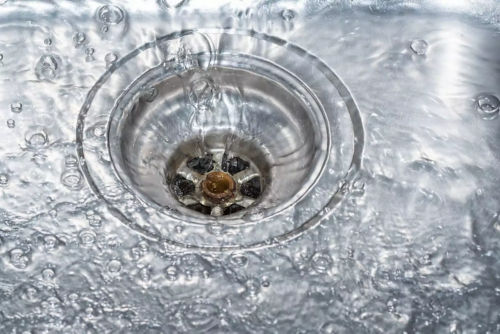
(323, 98)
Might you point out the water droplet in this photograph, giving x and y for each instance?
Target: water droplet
(110, 58)
(110, 14)
(321, 262)
(488, 106)
(202, 317)
(18, 259)
(94, 219)
(172, 273)
(172, 3)
(114, 266)
(419, 46)
(48, 274)
(79, 38)
(36, 138)
(87, 238)
(72, 179)
(11, 123)
(288, 15)
(50, 242)
(4, 179)
(47, 67)
(238, 260)
(16, 107)
(47, 41)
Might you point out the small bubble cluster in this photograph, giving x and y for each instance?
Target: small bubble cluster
(47, 67)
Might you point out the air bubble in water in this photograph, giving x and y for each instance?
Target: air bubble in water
(94, 219)
(48, 274)
(202, 317)
(87, 238)
(149, 94)
(419, 46)
(18, 259)
(488, 106)
(47, 67)
(47, 41)
(72, 179)
(110, 58)
(16, 107)
(79, 38)
(36, 138)
(114, 266)
(172, 273)
(238, 260)
(4, 179)
(321, 263)
(110, 14)
(90, 54)
(288, 15)
(11, 123)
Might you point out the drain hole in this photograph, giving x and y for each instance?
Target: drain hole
(182, 186)
(206, 210)
(251, 188)
(201, 165)
(234, 165)
(233, 208)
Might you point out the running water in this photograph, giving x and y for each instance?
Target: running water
(373, 124)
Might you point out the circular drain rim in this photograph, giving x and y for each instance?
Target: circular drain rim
(152, 223)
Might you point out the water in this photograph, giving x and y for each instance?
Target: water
(412, 246)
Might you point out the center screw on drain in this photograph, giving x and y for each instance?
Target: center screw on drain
(217, 185)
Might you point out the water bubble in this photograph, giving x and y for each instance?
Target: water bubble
(47, 67)
(72, 179)
(145, 274)
(48, 274)
(16, 107)
(90, 54)
(216, 229)
(114, 266)
(4, 179)
(202, 317)
(321, 262)
(36, 138)
(47, 41)
(50, 242)
(238, 260)
(110, 14)
(172, 273)
(94, 219)
(18, 259)
(172, 3)
(110, 58)
(79, 38)
(488, 106)
(419, 46)
(87, 238)
(11, 123)
(288, 15)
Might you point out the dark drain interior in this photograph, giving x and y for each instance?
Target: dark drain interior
(216, 183)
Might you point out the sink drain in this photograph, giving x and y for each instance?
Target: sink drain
(240, 146)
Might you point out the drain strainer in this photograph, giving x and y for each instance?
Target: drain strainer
(220, 139)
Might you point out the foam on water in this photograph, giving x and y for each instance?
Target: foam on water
(413, 246)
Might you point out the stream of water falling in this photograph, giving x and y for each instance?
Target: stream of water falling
(412, 246)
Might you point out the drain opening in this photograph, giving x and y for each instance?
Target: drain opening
(215, 184)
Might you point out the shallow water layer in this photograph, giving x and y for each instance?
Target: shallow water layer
(413, 244)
